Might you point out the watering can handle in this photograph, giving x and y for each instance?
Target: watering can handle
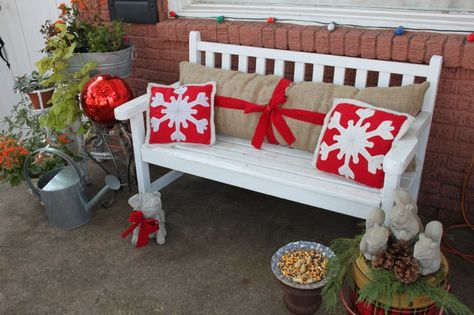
(66, 157)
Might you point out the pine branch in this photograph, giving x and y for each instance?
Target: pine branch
(339, 268)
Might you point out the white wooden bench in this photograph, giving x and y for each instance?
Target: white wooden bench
(280, 171)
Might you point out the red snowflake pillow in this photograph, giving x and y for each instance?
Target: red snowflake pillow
(355, 139)
(183, 114)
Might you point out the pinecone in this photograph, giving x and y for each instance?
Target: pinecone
(379, 259)
(407, 269)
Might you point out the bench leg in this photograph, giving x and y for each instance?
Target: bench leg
(138, 138)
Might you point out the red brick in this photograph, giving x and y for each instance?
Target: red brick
(153, 43)
(336, 41)
(451, 192)
(450, 73)
(435, 159)
(295, 38)
(430, 186)
(268, 36)
(139, 63)
(162, 65)
(222, 33)
(453, 51)
(137, 83)
(428, 212)
(151, 31)
(465, 134)
(148, 53)
(458, 164)
(466, 88)
(281, 37)
(466, 103)
(400, 47)
(450, 147)
(454, 117)
(250, 34)
(137, 41)
(137, 29)
(448, 216)
(442, 131)
(466, 74)
(233, 33)
(368, 44)
(308, 38)
(384, 45)
(417, 49)
(352, 42)
(182, 30)
(322, 41)
(207, 28)
(167, 30)
(451, 177)
(435, 46)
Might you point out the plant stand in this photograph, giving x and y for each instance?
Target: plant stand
(112, 144)
(301, 302)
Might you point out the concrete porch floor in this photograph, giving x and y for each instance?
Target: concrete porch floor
(216, 259)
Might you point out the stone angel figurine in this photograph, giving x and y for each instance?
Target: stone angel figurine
(376, 234)
(427, 250)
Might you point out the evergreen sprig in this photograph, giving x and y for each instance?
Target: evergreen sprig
(339, 268)
(384, 286)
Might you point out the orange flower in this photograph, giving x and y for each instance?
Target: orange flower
(63, 139)
(64, 9)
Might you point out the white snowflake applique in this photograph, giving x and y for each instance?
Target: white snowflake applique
(179, 111)
(353, 141)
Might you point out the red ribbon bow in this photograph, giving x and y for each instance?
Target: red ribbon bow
(272, 115)
(147, 226)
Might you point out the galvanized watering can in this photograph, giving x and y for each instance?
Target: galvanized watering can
(62, 192)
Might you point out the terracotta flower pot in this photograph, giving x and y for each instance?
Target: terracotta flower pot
(40, 98)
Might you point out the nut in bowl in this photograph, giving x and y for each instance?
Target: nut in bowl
(302, 264)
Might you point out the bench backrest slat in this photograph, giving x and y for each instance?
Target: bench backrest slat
(282, 62)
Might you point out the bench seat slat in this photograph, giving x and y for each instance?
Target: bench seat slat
(297, 174)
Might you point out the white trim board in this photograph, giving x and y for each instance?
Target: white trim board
(415, 19)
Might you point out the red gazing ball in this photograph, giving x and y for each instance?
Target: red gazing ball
(470, 37)
(271, 20)
(172, 14)
(101, 94)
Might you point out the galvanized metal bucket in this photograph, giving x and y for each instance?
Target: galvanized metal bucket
(118, 63)
(62, 192)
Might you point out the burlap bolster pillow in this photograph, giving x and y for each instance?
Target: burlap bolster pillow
(311, 96)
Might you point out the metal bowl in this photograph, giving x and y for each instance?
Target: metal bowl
(291, 247)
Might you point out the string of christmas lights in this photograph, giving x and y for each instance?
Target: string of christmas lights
(331, 26)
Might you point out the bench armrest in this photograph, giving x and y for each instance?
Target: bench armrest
(131, 108)
(403, 151)
(134, 107)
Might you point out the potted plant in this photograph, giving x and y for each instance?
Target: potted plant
(23, 134)
(72, 38)
(104, 44)
(32, 86)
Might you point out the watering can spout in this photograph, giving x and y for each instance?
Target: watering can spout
(111, 183)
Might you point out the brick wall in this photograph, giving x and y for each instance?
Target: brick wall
(162, 46)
